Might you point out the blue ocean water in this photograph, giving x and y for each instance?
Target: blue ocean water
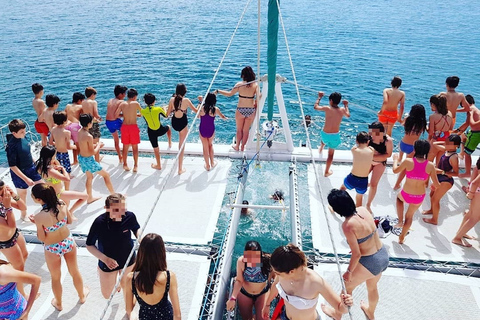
(152, 45)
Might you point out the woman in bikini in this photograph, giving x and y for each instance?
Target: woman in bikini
(178, 105)
(472, 215)
(55, 175)
(299, 288)
(151, 283)
(254, 277)
(369, 257)
(52, 230)
(207, 128)
(447, 168)
(417, 171)
(439, 125)
(383, 146)
(13, 304)
(246, 107)
(415, 125)
(12, 242)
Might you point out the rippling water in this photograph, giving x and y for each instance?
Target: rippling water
(152, 45)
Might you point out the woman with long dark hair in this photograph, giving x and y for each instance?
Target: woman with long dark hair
(246, 107)
(52, 230)
(151, 283)
(207, 128)
(369, 257)
(417, 171)
(415, 125)
(56, 176)
(178, 105)
(252, 283)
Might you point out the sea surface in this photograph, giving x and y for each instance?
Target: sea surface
(353, 48)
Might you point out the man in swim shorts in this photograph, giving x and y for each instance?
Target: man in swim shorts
(392, 98)
(112, 120)
(362, 159)
(86, 160)
(473, 136)
(331, 130)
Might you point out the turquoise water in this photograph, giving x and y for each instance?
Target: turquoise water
(152, 45)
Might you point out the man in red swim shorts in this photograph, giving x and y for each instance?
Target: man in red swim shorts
(130, 132)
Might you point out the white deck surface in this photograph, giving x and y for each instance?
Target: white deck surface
(407, 294)
(425, 241)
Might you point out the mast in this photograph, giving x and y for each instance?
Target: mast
(272, 31)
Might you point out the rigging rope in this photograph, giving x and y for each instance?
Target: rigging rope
(170, 173)
(258, 76)
(317, 179)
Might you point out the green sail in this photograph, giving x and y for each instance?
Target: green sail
(272, 53)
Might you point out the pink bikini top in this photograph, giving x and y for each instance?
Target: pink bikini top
(418, 171)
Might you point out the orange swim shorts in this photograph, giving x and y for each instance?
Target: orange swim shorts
(388, 117)
(130, 134)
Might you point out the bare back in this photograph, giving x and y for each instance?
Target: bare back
(392, 97)
(90, 106)
(48, 118)
(363, 225)
(38, 106)
(333, 118)
(475, 113)
(454, 99)
(246, 94)
(45, 219)
(61, 137)
(362, 160)
(113, 109)
(85, 143)
(73, 112)
(130, 111)
(158, 289)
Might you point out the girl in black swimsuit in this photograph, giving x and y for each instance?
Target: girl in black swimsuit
(179, 105)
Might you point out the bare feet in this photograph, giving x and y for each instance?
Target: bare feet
(329, 311)
(120, 159)
(469, 237)
(56, 305)
(155, 166)
(100, 159)
(429, 211)
(329, 173)
(25, 219)
(401, 239)
(235, 147)
(125, 167)
(465, 189)
(93, 199)
(364, 307)
(74, 218)
(135, 169)
(86, 291)
(181, 171)
(214, 164)
(431, 221)
(206, 167)
(462, 243)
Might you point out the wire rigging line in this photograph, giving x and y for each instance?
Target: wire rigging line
(170, 173)
(317, 178)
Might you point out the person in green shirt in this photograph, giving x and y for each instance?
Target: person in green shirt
(151, 114)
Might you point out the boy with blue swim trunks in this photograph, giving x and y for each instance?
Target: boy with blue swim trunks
(22, 168)
(362, 160)
(114, 112)
(86, 157)
(331, 129)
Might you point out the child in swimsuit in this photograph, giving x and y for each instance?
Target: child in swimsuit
(418, 170)
(152, 114)
(58, 242)
(440, 124)
(13, 305)
(73, 111)
(130, 131)
(392, 106)
(246, 106)
(112, 119)
(415, 124)
(178, 105)
(447, 168)
(368, 252)
(289, 264)
(207, 128)
(55, 175)
(39, 106)
(331, 130)
(253, 281)
(362, 159)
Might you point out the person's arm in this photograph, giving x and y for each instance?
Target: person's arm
(171, 107)
(385, 100)
(474, 184)
(455, 167)
(316, 106)
(109, 262)
(384, 157)
(41, 235)
(355, 249)
(20, 174)
(10, 216)
(58, 172)
(129, 302)
(340, 303)
(346, 110)
(219, 113)
(464, 126)
(430, 128)
(272, 293)
(16, 201)
(118, 112)
(472, 120)
(96, 115)
(228, 93)
(190, 105)
(9, 274)
(237, 284)
(433, 175)
(402, 108)
(98, 146)
(173, 294)
(464, 105)
(398, 168)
